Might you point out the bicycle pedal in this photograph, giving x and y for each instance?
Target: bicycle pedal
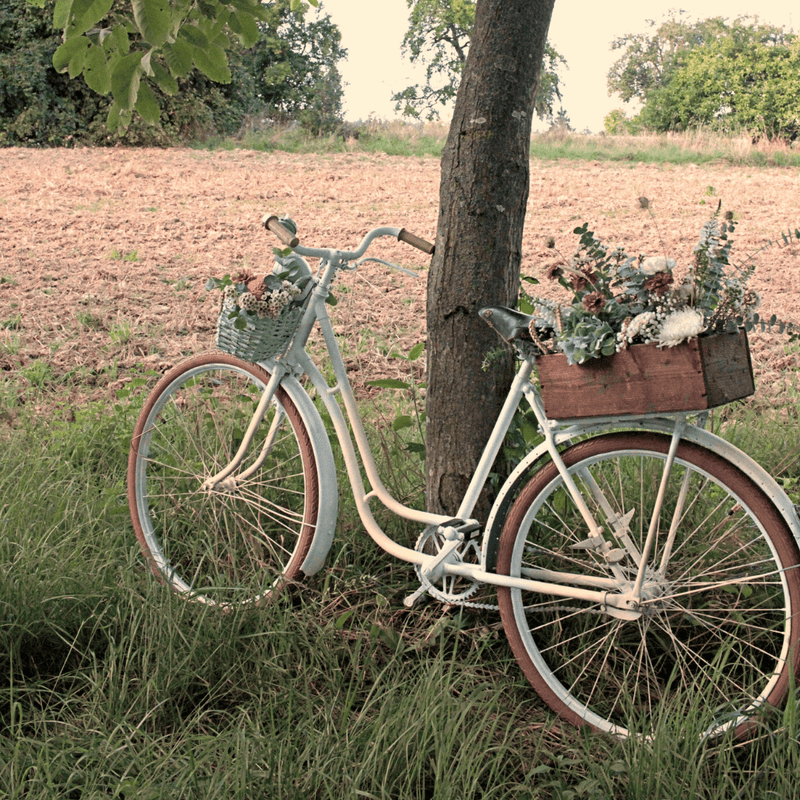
(469, 528)
(413, 599)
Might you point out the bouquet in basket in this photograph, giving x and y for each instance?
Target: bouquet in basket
(246, 295)
(619, 300)
(260, 313)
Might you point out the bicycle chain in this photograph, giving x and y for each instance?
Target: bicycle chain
(490, 607)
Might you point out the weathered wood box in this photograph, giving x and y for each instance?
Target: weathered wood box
(701, 373)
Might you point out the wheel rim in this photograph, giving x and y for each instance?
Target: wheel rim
(239, 542)
(717, 616)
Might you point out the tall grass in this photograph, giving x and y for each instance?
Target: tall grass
(112, 687)
(428, 140)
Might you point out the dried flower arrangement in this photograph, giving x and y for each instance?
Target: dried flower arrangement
(619, 300)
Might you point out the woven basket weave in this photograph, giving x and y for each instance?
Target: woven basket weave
(261, 339)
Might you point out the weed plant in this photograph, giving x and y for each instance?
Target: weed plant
(111, 687)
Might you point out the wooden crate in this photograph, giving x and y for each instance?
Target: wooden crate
(701, 373)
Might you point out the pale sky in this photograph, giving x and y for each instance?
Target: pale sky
(581, 30)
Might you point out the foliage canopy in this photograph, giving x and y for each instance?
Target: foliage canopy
(438, 37)
(290, 71)
(736, 76)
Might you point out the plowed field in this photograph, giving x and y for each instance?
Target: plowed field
(104, 254)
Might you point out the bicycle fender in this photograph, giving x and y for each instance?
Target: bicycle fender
(326, 474)
(505, 497)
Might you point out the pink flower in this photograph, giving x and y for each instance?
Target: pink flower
(659, 283)
(594, 302)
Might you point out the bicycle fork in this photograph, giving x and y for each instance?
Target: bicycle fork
(225, 479)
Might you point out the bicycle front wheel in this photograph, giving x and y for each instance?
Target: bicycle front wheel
(718, 627)
(243, 539)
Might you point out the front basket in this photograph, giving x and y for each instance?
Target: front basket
(644, 379)
(261, 339)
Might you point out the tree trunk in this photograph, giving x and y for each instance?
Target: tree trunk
(482, 203)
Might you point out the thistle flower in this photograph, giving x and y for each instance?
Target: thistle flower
(552, 271)
(680, 325)
(578, 281)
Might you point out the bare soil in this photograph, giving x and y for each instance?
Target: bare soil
(104, 254)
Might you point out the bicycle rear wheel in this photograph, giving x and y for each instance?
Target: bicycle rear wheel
(719, 626)
(244, 539)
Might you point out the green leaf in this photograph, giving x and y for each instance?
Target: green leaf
(343, 619)
(147, 105)
(61, 14)
(154, 20)
(117, 117)
(416, 351)
(213, 63)
(389, 383)
(401, 422)
(179, 58)
(85, 14)
(69, 57)
(254, 8)
(125, 78)
(96, 72)
(244, 26)
(164, 80)
(192, 35)
(117, 41)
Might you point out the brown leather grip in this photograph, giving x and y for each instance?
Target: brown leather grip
(272, 223)
(415, 241)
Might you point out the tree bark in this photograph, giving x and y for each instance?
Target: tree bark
(482, 203)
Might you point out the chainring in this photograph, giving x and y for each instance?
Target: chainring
(448, 588)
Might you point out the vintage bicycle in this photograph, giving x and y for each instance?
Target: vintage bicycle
(638, 559)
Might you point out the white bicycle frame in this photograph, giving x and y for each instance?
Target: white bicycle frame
(618, 595)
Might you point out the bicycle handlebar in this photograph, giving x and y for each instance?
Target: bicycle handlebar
(273, 223)
(416, 241)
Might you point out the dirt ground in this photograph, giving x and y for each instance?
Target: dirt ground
(104, 254)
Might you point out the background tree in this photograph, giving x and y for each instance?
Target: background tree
(732, 65)
(293, 67)
(37, 105)
(482, 202)
(290, 72)
(732, 86)
(438, 36)
(127, 49)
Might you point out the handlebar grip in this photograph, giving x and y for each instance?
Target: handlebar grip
(415, 241)
(272, 223)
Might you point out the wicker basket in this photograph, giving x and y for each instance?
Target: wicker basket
(261, 339)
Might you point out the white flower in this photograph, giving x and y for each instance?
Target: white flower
(680, 325)
(657, 264)
(638, 324)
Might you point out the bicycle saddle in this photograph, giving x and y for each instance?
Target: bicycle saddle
(507, 323)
